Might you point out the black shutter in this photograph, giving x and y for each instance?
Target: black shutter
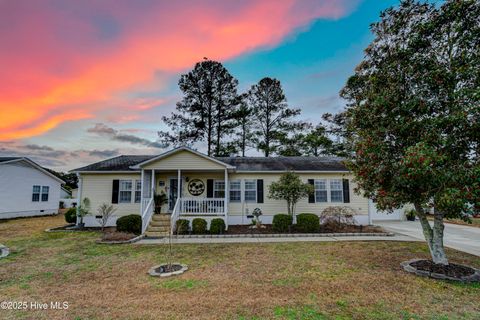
(259, 191)
(346, 191)
(115, 191)
(209, 188)
(311, 196)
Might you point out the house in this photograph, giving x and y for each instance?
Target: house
(210, 187)
(27, 189)
(65, 193)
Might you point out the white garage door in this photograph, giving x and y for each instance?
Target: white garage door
(382, 216)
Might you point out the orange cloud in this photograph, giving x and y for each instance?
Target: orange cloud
(67, 61)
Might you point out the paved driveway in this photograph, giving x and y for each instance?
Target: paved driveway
(462, 238)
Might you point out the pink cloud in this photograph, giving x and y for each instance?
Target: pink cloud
(68, 60)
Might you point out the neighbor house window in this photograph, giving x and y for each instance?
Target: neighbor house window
(336, 190)
(219, 189)
(321, 190)
(138, 191)
(250, 191)
(36, 194)
(45, 190)
(235, 191)
(125, 191)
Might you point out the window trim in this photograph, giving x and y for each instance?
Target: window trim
(138, 188)
(230, 189)
(45, 193)
(34, 193)
(120, 190)
(215, 181)
(250, 190)
(327, 200)
(340, 189)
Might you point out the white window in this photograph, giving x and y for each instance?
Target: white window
(36, 194)
(138, 191)
(45, 190)
(321, 190)
(235, 191)
(336, 190)
(219, 189)
(250, 194)
(125, 191)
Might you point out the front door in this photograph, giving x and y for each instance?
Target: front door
(172, 193)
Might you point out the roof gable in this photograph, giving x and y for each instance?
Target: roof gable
(30, 163)
(183, 158)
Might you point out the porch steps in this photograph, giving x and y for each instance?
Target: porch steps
(159, 226)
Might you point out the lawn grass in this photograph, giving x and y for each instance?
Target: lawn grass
(327, 280)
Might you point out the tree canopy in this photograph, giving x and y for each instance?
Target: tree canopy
(413, 113)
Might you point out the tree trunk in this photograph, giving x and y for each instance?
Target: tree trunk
(433, 236)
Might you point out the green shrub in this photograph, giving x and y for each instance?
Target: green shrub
(308, 222)
(71, 215)
(282, 222)
(130, 224)
(182, 226)
(217, 226)
(199, 226)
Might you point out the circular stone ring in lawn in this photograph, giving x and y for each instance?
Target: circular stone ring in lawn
(4, 251)
(454, 272)
(167, 270)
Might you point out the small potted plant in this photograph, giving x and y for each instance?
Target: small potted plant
(410, 214)
(159, 200)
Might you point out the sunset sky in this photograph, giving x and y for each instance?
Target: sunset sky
(85, 80)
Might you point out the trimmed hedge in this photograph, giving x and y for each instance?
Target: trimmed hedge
(217, 226)
(308, 222)
(130, 224)
(282, 222)
(71, 215)
(182, 226)
(199, 226)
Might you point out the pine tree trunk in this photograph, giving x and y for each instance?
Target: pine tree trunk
(433, 236)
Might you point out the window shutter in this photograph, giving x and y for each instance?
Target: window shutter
(115, 191)
(311, 196)
(209, 188)
(346, 191)
(260, 191)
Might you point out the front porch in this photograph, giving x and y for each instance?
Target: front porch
(190, 194)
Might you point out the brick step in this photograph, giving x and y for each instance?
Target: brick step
(161, 217)
(156, 234)
(158, 229)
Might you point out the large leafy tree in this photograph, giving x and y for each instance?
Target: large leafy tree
(273, 118)
(243, 136)
(206, 112)
(413, 113)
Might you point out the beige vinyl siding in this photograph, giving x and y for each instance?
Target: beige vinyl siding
(270, 207)
(98, 188)
(184, 160)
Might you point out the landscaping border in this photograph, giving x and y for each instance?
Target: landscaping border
(284, 235)
(137, 238)
(4, 251)
(406, 265)
(153, 270)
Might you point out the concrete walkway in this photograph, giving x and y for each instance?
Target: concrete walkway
(277, 239)
(459, 237)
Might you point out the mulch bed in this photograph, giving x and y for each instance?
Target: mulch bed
(245, 229)
(71, 227)
(168, 268)
(450, 270)
(118, 236)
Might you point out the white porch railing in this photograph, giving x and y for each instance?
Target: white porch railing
(203, 206)
(147, 205)
(174, 216)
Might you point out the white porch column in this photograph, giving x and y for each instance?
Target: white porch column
(141, 192)
(227, 193)
(179, 186)
(153, 183)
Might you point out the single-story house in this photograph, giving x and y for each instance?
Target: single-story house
(27, 189)
(210, 187)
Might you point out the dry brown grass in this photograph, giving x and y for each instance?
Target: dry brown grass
(353, 280)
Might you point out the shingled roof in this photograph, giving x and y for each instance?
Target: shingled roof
(5, 159)
(125, 162)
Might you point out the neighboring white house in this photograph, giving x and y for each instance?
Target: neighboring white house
(27, 189)
(210, 187)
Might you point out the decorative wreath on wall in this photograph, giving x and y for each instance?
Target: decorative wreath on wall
(196, 187)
